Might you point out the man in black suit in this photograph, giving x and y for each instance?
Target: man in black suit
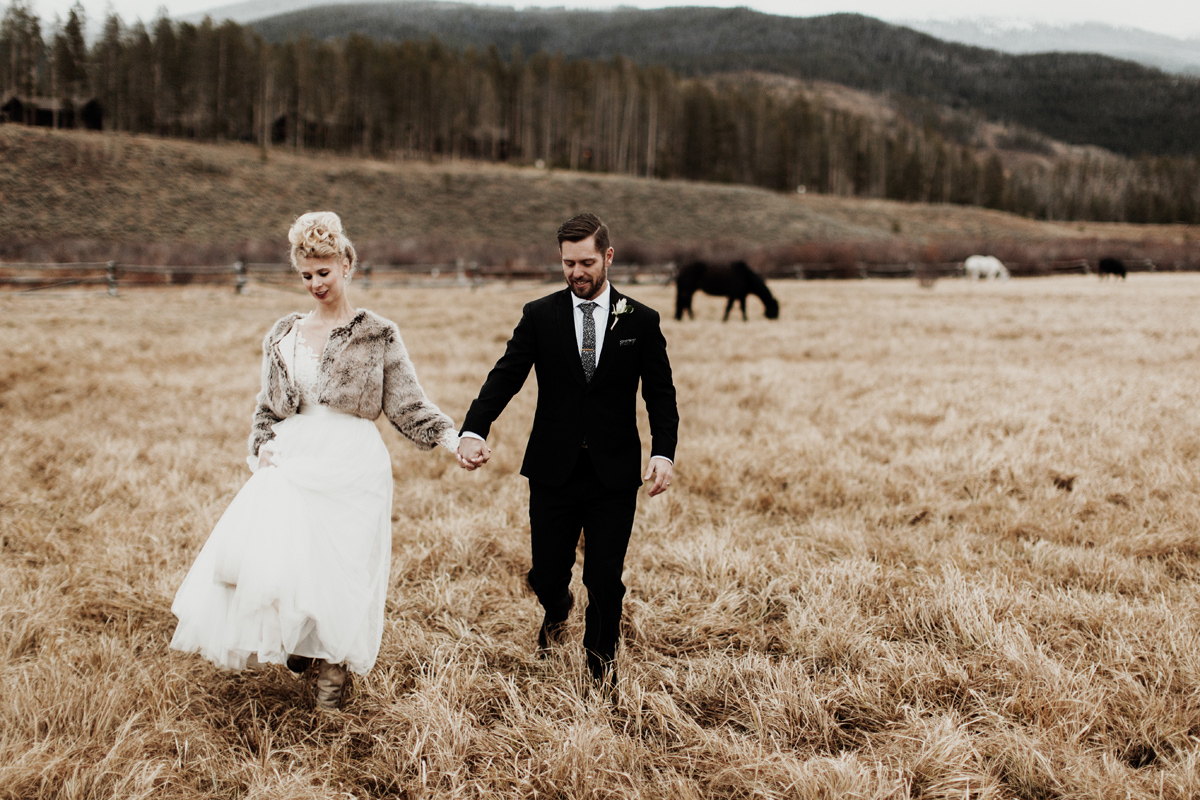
(590, 346)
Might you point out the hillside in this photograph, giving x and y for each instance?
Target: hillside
(1078, 98)
(419, 99)
(120, 190)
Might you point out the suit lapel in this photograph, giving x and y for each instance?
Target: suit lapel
(566, 335)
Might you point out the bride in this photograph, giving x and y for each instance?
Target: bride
(296, 570)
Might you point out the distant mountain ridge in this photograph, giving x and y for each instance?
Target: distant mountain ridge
(1075, 98)
(252, 10)
(1008, 36)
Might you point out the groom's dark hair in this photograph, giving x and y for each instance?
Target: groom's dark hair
(580, 227)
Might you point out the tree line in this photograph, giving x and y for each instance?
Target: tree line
(1079, 98)
(420, 98)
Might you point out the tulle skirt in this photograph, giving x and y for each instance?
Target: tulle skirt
(298, 563)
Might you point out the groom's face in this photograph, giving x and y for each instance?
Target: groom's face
(585, 267)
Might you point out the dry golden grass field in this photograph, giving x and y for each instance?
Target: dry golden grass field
(922, 543)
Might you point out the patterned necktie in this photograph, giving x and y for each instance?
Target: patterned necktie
(588, 353)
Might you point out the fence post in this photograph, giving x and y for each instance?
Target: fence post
(111, 274)
(366, 268)
(239, 269)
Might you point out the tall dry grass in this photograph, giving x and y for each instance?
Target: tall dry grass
(932, 544)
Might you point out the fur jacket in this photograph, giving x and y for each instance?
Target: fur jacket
(365, 371)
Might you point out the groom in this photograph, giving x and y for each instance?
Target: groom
(590, 346)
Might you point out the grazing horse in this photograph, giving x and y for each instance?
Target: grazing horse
(1111, 266)
(734, 281)
(985, 267)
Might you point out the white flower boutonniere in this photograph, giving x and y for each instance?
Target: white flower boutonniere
(619, 309)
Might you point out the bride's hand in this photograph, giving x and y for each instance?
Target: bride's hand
(264, 458)
(472, 453)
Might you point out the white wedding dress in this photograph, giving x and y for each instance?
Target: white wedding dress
(298, 564)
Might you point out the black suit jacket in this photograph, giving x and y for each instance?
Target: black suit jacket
(569, 408)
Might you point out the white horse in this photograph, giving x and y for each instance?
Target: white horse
(985, 267)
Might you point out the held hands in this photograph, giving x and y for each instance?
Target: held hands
(473, 453)
(660, 471)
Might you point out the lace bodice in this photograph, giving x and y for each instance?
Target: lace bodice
(307, 363)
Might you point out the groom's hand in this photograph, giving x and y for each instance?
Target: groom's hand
(472, 453)
(660, 471)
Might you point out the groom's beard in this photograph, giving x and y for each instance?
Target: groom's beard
(586, 290)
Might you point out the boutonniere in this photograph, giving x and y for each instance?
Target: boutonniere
(620, 309)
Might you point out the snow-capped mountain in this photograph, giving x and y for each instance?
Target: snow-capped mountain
(1016, 36)
(252, 10)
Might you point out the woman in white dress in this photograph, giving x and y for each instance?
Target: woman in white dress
(296, 570)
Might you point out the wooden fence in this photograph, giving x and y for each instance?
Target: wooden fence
(23, 277)
(921, 270)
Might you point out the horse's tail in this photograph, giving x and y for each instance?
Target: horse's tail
(687, 280)
(757, 287)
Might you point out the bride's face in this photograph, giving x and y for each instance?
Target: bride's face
(325, 278)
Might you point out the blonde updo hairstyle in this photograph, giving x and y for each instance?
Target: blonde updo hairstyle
(319, 234)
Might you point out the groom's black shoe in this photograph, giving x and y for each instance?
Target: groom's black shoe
(604, 677)
(551, 632)
(549, 635)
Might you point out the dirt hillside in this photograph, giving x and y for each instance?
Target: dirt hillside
(117, 188)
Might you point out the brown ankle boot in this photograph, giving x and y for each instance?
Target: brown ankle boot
(331, 685)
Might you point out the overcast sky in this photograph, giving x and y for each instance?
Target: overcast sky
(1179, 18)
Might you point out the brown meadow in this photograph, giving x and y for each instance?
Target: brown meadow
(934, 544)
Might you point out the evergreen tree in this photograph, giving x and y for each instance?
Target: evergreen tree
(108, 74)
(21, 50)
(993, 181)
(70, 59)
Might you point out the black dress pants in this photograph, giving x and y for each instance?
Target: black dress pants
(557, 515)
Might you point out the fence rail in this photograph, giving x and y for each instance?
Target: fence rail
(34, 277)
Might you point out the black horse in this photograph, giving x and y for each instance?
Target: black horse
(734, 281)
(1111, 266)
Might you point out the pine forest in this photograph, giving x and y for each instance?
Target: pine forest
(422, 99)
